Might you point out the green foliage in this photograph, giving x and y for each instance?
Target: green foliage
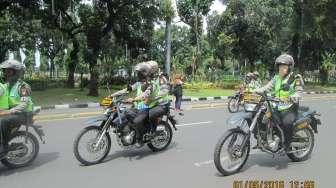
(167, 10)
(328, 63)
(210, 85)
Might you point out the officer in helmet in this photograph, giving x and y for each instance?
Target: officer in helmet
(256, 79)
(249, 82)
(145, 90)
(18, 103)
(288, 88)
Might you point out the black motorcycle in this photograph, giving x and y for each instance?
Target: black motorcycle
(93, 143)
(235, 101)
(261, 120)
(22, 146)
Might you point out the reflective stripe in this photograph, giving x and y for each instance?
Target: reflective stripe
(4, 104)
(282, 94)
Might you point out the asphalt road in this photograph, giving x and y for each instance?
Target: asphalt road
(186, 163)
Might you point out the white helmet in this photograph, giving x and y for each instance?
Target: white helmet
(12, 64)
(15, 65)
(154, 67)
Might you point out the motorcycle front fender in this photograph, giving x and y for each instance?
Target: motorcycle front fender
(96, 120)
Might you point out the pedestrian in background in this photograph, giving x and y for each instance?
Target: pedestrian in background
(178, 91)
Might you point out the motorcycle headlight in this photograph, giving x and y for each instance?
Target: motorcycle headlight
(250, 107)
(108, 111)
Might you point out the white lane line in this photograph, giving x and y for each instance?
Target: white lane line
(191, 124)
(210, 162)
(203, 163)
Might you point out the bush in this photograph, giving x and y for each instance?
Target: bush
(56, 83)
(37, 85)
(42, 83)
(208, 85)
(116, 80)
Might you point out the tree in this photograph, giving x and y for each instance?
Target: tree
(191, 12)
(63, 17)
(51, 43)
(168, 13)
(127, 20)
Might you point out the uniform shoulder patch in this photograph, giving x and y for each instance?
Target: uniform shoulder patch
(24, 90)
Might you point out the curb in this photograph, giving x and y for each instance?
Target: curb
(187, 99)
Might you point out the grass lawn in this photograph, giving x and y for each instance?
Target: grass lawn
(318, 88)
(65, 96)
(75, 96)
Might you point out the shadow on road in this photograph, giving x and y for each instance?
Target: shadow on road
(137, 154)
(264, 160)
(42, 158)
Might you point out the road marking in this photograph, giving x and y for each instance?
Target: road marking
(196, 123)
(210, 162)
(204, 163)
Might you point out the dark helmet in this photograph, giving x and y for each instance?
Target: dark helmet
(143, 70)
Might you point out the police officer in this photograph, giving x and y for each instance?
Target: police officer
(18, 95)
(145, 90)
(256, 79)
(250, 84)
(288, 88)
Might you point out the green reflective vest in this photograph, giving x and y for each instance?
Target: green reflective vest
(282, 94)
(4, 105)
(140, 105)
(15, 98)
(154, 94)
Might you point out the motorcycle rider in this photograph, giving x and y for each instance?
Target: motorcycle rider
(145, 90)
(288, 88)
(19, 104)
(256, 79)
(162, 97)
(250, 84)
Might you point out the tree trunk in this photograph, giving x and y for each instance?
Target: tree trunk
(198, 49)
(2, 55)
(81, 81)
(51, 68)
(168, 47)
(73, 63)
(93, 86)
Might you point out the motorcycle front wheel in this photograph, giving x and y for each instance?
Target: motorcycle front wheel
(233, 105)
(85, 146)
(229, 157)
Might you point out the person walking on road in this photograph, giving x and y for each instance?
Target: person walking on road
(178, 91)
